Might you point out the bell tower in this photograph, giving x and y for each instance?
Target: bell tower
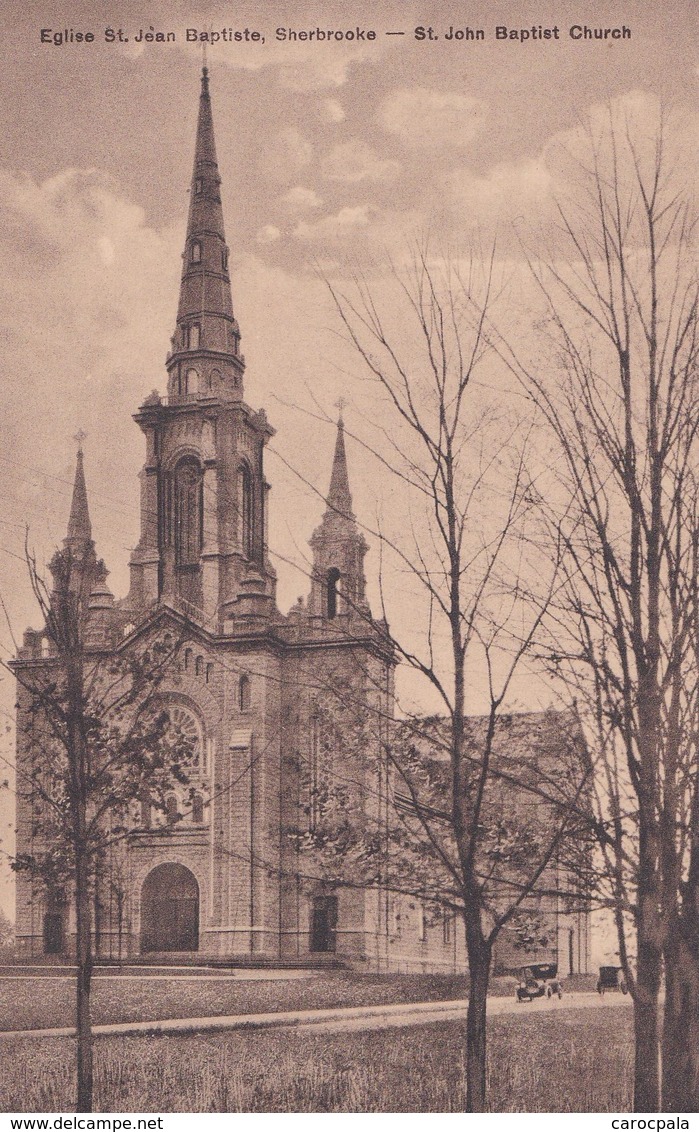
(203, 541)
(338, 584)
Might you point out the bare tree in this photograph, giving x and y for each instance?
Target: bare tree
(460, 548)
(92, 745)
(620, 399)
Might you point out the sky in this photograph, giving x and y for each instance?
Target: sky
(332, 155)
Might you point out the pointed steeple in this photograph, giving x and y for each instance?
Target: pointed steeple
(338, 583)
(205, 358)
(76, 566)
(79, 525)
(339, 495)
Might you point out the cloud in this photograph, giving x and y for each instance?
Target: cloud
(507, 190)
(427, 118)
(336, 227)
(354, 161)
(286, 155)
(268, 234)
(89, 296)
(301, 199)
(332, 110)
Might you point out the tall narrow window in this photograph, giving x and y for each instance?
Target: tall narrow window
(314, 776)
(446, 927)
(247, 540)
(333, 578)
(193, 334)
(191, 382)
(53, 933)
(421, 926)
(244, 693)
(196, 252)
(171, 814)
(198, 809)
(189, 509)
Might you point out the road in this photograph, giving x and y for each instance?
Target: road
(339, 1019)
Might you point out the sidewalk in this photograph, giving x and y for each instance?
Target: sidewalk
(335, 1018)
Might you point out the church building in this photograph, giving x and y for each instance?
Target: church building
(217, 877)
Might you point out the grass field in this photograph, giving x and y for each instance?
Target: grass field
(562, 1061)
(37, 1003)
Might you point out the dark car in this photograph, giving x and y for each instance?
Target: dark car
(538, 980)
(611, 978)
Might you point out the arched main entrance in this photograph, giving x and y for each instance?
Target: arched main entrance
(170, 910)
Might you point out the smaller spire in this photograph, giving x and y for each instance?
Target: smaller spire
(79, 525)
(339, 495)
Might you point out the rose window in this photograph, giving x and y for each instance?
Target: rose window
(184, 725)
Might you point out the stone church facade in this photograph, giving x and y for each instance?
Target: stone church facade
(216, 876)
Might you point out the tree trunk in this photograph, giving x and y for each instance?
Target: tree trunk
(680, 1081)
(479, 956)
(83, 1020)
(646, 1097)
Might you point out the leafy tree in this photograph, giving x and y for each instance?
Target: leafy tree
(7, 938)
(95, 743)
(533, 799)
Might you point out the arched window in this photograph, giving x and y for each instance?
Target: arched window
(196, 252)
(244, 693)
(45, 647)
(191, 382)
(193, 336)
(247, 534)
(185, 728)
(209, 673)
(171, 814)
(187, 659)
(189, 512)
(199, 666)
(198, 809)
(333, 577)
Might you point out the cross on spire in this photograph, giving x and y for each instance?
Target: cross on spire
(79, 437)
(340, 404)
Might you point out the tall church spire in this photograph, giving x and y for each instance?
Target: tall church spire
(79, 525)
(339, 495)
(205, 358)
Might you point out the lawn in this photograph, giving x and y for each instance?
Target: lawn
(38, 1003)
(561, 1061)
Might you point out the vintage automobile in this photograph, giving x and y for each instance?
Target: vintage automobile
(538, 980)
(611, 978)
